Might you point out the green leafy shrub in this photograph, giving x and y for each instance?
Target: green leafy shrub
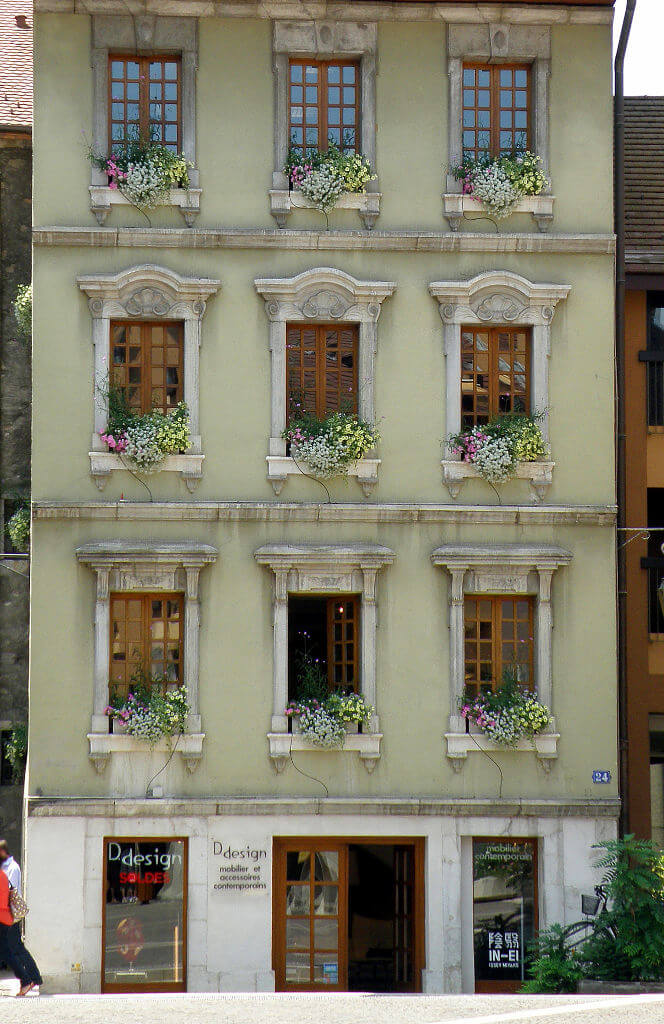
(507, 714)
(16, 750)
(634, 884)
(23, 309)
(18, 528)
(552, 966)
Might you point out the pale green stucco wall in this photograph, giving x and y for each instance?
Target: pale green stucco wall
(235, 159)
(412, 671)
(409, 376)
(235, 139)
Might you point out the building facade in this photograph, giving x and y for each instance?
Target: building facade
(419, 856)
(15, 270)
(644, 505)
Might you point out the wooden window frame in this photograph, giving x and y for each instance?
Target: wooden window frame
(494, 372)
(283, 844)
(320, 330)
(180, 986)
(344, 662)
(495, 108)
(144, 80)
(146, 599)
(322, 104)
(487, 987)
(498, 667)
(146, 386)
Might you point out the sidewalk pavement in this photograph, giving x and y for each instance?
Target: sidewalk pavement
(333, 1008)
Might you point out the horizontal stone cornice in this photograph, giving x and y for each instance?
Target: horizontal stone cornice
(341, 512)
(91, 807)
(333, 10)
(325, 241)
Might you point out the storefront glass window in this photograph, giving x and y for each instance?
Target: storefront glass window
(504, 910)
(144, 921)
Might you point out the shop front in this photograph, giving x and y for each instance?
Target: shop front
(275, 895)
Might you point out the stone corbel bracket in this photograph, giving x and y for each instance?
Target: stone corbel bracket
(189, 466)
(455, 206)
(280, 467)
(281, 745)
(545, 747)
(189, 746)
(538, 474)
(187, 200)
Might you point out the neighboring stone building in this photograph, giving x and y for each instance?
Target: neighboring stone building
(421, 854)
(644, 423)
(15, 382)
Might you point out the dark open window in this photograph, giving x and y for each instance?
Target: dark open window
(653, 357)
(325, 631)
(6, 770)
(654, 562)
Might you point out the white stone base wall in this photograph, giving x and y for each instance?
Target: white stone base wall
(229, 934)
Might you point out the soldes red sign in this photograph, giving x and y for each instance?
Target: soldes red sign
(155, 877)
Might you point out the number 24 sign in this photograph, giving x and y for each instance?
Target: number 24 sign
(601, 775)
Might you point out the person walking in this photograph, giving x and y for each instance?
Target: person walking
(12, 949)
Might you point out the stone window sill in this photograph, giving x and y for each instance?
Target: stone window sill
(102, 198)
(366, 745)
(103, 745)
(539, 207)
(189, 466)
(367, 204)
(538, 474)
(280, 467)
(459, 745)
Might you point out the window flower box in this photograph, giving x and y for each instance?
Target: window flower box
(187, 200)
(365, 745)
(104, 745)
(459, 745)
(283, 202)
(539, 476)
(189, 465)
(455, 205)
(280, 467)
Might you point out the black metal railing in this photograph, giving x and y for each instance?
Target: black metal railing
(655, 569)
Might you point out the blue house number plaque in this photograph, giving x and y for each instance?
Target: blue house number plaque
(601, 775)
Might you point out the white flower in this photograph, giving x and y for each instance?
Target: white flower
(495, 460)
(492, 186)
(320, 727)
(323, 187)
(323, 458)
(145, 185)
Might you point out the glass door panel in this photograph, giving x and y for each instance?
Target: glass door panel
(504, 911)
(144, 915)
(315, 912)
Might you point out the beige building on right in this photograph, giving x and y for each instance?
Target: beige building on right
(418, 854)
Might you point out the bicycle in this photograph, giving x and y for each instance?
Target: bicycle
(578, 933)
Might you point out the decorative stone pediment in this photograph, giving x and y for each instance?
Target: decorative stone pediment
(147, 291)
(323, 293)
(497, 296)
